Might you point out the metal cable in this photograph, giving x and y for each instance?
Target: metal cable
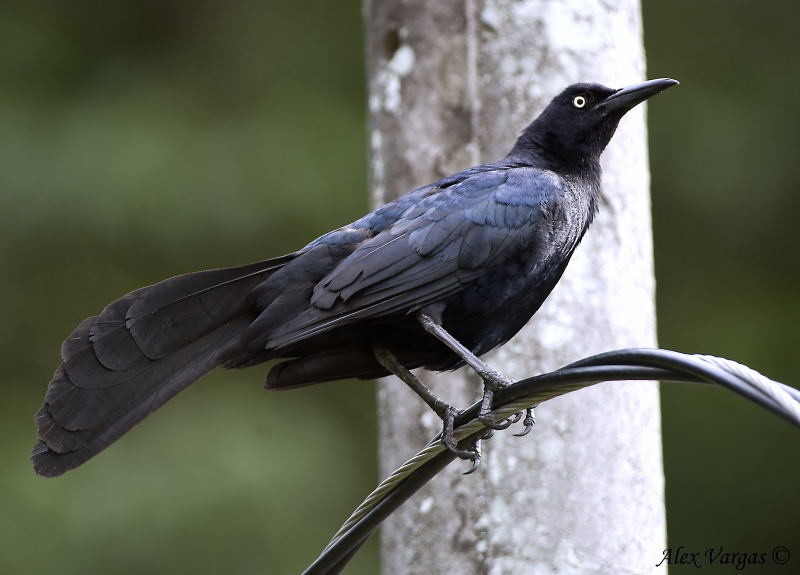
(624, 364)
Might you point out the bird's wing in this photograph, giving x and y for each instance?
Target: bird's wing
(434, 249)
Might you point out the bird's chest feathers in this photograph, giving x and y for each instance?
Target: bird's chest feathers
(557, 231)
(569, 218)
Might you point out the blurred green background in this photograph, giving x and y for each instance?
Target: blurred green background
(143, 139)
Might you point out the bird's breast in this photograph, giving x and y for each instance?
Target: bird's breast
(504, 297)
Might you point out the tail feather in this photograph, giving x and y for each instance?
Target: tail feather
(114, 346)
(73, 431)
(143, 349)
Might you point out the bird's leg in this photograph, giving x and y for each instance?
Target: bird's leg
(492, 380)
(444, 410)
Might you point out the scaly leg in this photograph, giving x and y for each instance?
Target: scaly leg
(492, 380)
(444, 410)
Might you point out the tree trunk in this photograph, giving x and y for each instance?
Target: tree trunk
(451, 84)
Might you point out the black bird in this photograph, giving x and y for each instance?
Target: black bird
(433, 279)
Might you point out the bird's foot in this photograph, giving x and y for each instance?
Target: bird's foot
(493, 381)
(485, 413)
(451, 443)
(473, 453)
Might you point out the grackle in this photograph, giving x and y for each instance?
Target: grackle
(433, 279)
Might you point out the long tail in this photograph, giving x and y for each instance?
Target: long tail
(142, 349)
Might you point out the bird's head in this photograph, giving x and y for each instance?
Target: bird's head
(578, 123)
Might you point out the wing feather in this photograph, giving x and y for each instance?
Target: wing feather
(435, 248)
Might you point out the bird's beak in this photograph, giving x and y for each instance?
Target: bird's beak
(626, 98)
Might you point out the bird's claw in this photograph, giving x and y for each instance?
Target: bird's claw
(485, 413)
(486, 419)
(476, 457)
(492, 382)
(449, 438)
(451, 443)
(528, 423)
(516, 417)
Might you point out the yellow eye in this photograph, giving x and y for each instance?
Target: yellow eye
(579, 102)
